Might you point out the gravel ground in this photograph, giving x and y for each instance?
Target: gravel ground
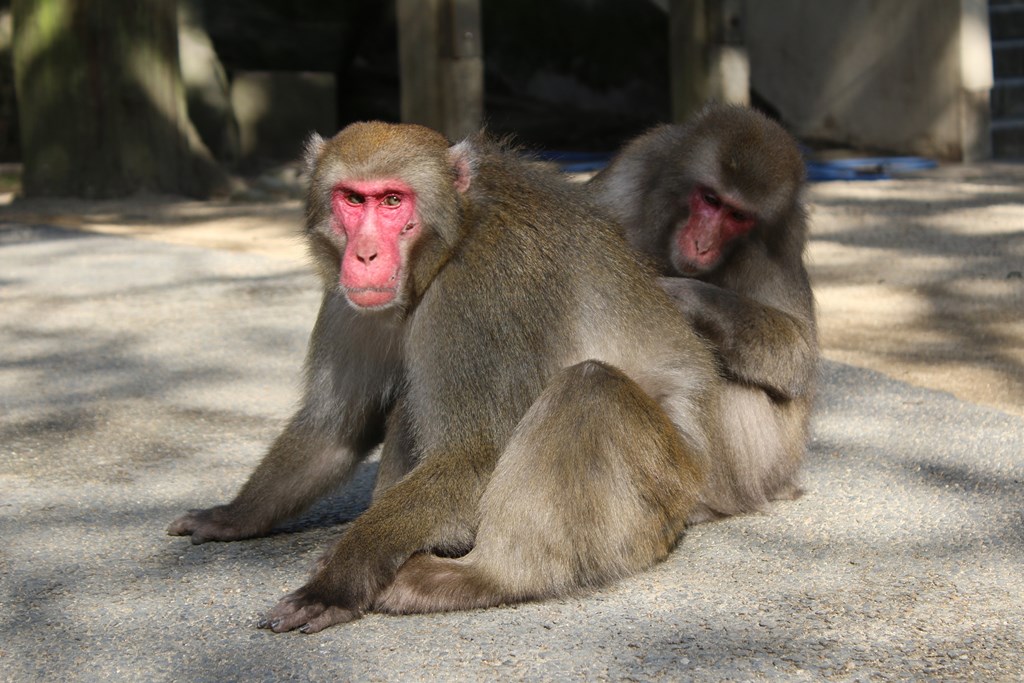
(139, 378)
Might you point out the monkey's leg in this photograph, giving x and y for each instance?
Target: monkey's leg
(763, 443)
(339, 422)
(308, 459)
(433, 506)
(595, 484)
(397, 458)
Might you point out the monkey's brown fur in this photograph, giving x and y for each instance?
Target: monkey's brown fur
(546, 408)
(755, 305)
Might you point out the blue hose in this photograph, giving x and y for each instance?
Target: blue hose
(865, 168)
(861, 168)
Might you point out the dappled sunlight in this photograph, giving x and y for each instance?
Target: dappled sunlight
(94, 370)
(842, 266)
(268, 228)
(139, 380)
(930, 338)
(847, 299)
(927, 194)
(921, 279)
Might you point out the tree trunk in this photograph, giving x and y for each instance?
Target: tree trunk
(440, 54)
(101, 101)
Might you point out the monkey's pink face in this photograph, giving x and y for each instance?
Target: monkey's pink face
(378, 221)
(714, 222)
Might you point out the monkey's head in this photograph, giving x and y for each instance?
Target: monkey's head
(383, 208)
(746, 175)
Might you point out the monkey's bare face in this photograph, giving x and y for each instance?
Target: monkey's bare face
(378, 223)
(714, 222)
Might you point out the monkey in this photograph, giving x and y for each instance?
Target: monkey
(716, 205)
(547, 417)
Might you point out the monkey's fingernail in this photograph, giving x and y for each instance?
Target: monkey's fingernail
(304, 629)
(263, 623)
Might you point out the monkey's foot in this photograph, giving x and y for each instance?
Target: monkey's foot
(212, 524)
(303, 611)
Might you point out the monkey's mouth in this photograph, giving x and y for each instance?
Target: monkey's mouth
(371, 297)
(690, 271)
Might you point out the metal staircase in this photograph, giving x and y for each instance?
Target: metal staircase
(1006, 22)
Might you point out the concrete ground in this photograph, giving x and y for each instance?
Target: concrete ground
(149, 350)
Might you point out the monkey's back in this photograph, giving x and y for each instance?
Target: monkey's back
(550, 282)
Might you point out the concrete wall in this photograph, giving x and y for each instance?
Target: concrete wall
(907, 76)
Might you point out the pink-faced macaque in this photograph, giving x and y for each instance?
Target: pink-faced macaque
(716, 204)
(549, 420)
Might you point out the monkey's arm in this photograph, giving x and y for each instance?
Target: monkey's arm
(434, 507)
(332, 430)
(756, 343)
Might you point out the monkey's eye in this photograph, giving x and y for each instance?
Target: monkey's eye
(392, 200)
(711, 199)
(739, 216)
(354, 198)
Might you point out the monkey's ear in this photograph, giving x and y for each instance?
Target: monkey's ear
(463, 161)
(311, 152)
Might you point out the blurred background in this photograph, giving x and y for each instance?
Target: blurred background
(107, 98)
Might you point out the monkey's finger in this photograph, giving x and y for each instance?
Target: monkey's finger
(282, 622)
(330, 617)
(176, 528)
(188, 526)
(184, 525)
(292, 611)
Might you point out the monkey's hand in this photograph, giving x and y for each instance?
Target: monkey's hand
(307, 610)
(220, 523)
(344, 584)
(755, 342)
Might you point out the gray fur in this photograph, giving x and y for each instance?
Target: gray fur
(755, 306)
